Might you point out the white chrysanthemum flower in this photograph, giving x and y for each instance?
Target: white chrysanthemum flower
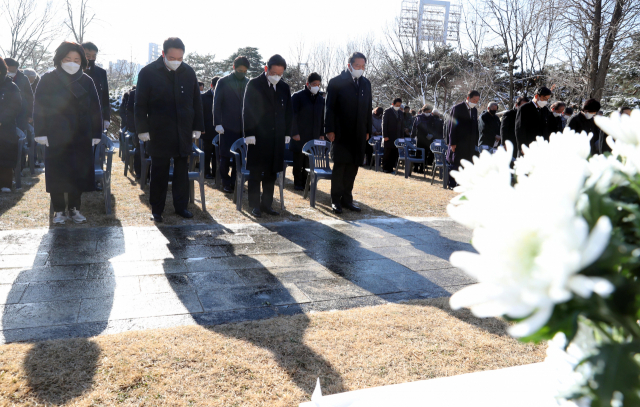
(475, 175)
(606, 171)
(624, 138)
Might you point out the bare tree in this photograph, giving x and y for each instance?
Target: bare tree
(78, 23)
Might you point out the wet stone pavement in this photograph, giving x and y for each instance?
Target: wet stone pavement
(82, 282)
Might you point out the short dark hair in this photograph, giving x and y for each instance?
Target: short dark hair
(89, 46)
(426, 108)
(11, 62)
(3, 68)
(591, 105)
(568, 111)
(276, 60)
(473, 93)
(543, 91)
(397, 100)
(377, 110)
(172, 42)
(133, 87)
(314, 76)
(558, 105)
(357, 55)
(241, 61)
(521, 99)
(623, 108)
(200, 83)
(407, 107)
(64, 49)
(214, 81)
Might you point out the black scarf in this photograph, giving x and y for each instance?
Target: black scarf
(72, 82)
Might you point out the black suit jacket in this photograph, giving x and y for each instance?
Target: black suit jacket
(27, 100)
(392, 126)
(169, 108)
(508, 130)
(99, 77)
(579, 123)
(123, 110)
(348, 115)
(489, 128)
(531, 122)
(267, 115)
(308, 117)
(131, 118)
(207, 114)
(463, 132)
(228, 98)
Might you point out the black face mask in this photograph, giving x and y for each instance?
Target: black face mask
(91, 63)
(492, 111)
(239, 75)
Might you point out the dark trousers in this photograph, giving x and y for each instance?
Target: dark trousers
(6, 177)
(300, 162)
(59, 205)
(137, 159)
(159, 183)
(209, 157)
(342, 179)
(268, 180)
(225, 163)
(390, 157)
(368, 153)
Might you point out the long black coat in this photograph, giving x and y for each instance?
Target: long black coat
(131, 108)
(579, 123)
(10, 108)
(392, 126)
(67, 112)
(489, 128)
(554, 125)
(423, 126)
(437, 127)
(99, 77)
(123, 110)
(27, 100)
(308, 117)
(207, 114)
(169, 108)
(228, 98)
(267, 115)
(508, 130)
(462, 133)
(531, 122)
(348, 115)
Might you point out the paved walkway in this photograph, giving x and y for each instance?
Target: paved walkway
(80, 282)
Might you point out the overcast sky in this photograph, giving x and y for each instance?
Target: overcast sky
(126, 27)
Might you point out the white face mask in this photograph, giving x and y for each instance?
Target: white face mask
(396, 108)
(427, 114)
(557, 114)
(70, 67)
(173, 65)
(472, 105)
(356, 73)
(314, 89)
(541, 103)
(11, 74)
(589, 116)
(274, 79)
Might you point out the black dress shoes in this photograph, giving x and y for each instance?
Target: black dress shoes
(185, 214)
(157, 218)
(337, 208)
(256, 212)
(270, 211)
(227, 190)
(352, 207)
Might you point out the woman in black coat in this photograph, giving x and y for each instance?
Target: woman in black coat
(67, 119)
(10, 108)
(584, 122)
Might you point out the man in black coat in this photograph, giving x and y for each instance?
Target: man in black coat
(508, 125)
(489, 126)
(10, 108)
(267, 118)
(209, 130)
(168, 113)
(462, 132)
(99, 77)
(392, 129)
(227, 117)
(348, 124)
(555, 120)
(131, 128)
(308, 124)
(532, 118)
(583, 121)
(123, 110)
(26, 114)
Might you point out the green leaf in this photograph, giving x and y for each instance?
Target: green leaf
(615, 369)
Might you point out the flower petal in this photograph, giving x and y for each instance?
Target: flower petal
(532, 324)
(597, 242)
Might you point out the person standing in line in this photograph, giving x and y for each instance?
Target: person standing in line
(555, 122)
(489, 127)
(10, 108)
(209, 131)
(532, 118)
(348, 126)
(462, 132)
(392, 129)
(131, 128)
(376, 130)
(267, 118)
(33, 77)
(99, 77)
(584, 122)
(227, 117)
(423, 132)
(308, 124)
(123, 111)
(508, 125)
(168, 114)
(68, 121)
(19, 78)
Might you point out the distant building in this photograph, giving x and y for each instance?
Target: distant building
(154, 52)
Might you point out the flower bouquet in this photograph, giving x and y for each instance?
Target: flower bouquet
(558, 253)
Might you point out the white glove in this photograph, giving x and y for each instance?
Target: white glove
(250, 140)
(287, 139)
(196, 134)
(144, 136)
(42, 140)
(219, 129)
(96, 141)
(106, 124)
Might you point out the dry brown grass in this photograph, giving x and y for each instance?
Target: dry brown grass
(263, 363)
(378, 194)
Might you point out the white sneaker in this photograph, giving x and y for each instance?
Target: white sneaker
(5, 189)
(76, 216)
(59, 218)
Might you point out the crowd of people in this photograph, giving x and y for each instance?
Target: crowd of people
(67, 110)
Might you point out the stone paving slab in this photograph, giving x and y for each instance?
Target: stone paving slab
(66, 282)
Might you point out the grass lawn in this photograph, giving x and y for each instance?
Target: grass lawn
(271, 362)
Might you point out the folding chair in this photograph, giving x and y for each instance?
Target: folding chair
(378, 151)
(319, 168)
(102, 161)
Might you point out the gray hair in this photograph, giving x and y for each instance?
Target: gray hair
(30, 73)
(492, 104)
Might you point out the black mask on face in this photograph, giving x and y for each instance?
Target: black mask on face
(91, 63)
(492, 111)
(239, 75)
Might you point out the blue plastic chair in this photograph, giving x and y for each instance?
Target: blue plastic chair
(102, 161)
(378, 151)
(319, 168)
(239, 149)
(439, 149)
(405, 148)
(121, 142)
